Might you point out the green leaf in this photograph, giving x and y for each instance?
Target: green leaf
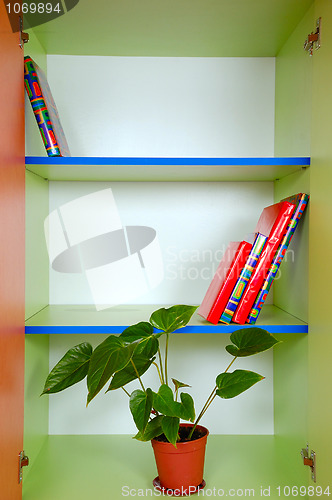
(109, 357)
(232, 384)
(188, 407)
(140, 405)
(72, 368)
(128, 373)
(147, 347)
(137, 332)
(142, 334)
(249, 341)
(170, 427)
(169, 320)
(152, 430)
(178, 384)
(164, 403)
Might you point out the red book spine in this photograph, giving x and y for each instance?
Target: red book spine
(224, 281)
(258, 276)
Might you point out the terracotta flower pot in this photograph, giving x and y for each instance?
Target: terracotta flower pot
(181, 468)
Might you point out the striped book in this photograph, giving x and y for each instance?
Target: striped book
(257, 248)
(283, 212)
(300, 200)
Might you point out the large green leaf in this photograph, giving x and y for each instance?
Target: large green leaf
(137, 332)
(128, 373)
(72, 368)
(140, 405)
(170, 427)
(232, 384)
(152, 430)
(109, 357)
(147, 347)
(169, 320)
(249, 341)
(142, 334)
(163, 402)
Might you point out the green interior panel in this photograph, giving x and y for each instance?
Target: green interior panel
(320, 276)
(36, 285)
(290, 380)
(293, 92)
(35, 407)
(185, 28)
(292, 136)
(290, 290)
(36, 253)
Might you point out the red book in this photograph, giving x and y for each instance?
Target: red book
(274, 219)
(224, 280)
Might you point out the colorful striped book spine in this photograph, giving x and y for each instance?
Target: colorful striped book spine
(284, 212)
(44, 109)
(243, 279)
(301, 200)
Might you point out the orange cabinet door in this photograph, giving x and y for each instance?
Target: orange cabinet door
(12, 174)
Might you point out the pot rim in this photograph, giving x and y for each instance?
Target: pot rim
(184, 443)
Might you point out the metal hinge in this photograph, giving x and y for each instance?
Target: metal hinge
(313, 40)
(24, 37)
(310, 461)
(23, 461)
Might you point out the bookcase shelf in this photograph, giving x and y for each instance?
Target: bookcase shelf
(164, 169)
(78, 319)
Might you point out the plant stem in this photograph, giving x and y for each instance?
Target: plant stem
(160, 378)
(230, 364)
(166, 358)
(205, 407)
(125, 391)
(208, 402)
(161, 366)
(139, 378)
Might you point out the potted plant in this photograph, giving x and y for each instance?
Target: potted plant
(179, 448)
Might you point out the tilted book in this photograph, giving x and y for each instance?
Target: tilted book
(224, 280)
(300, 200)
(243, 279)
(44, 109)
(281, 213)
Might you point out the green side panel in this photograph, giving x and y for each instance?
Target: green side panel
(35, 407)
(293, 93)
(290, 291)
(37, 263)
(290, 380)
(320, 277)
(292, 137)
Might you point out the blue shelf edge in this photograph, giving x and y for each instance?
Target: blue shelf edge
(105, 329)
(96, 160)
